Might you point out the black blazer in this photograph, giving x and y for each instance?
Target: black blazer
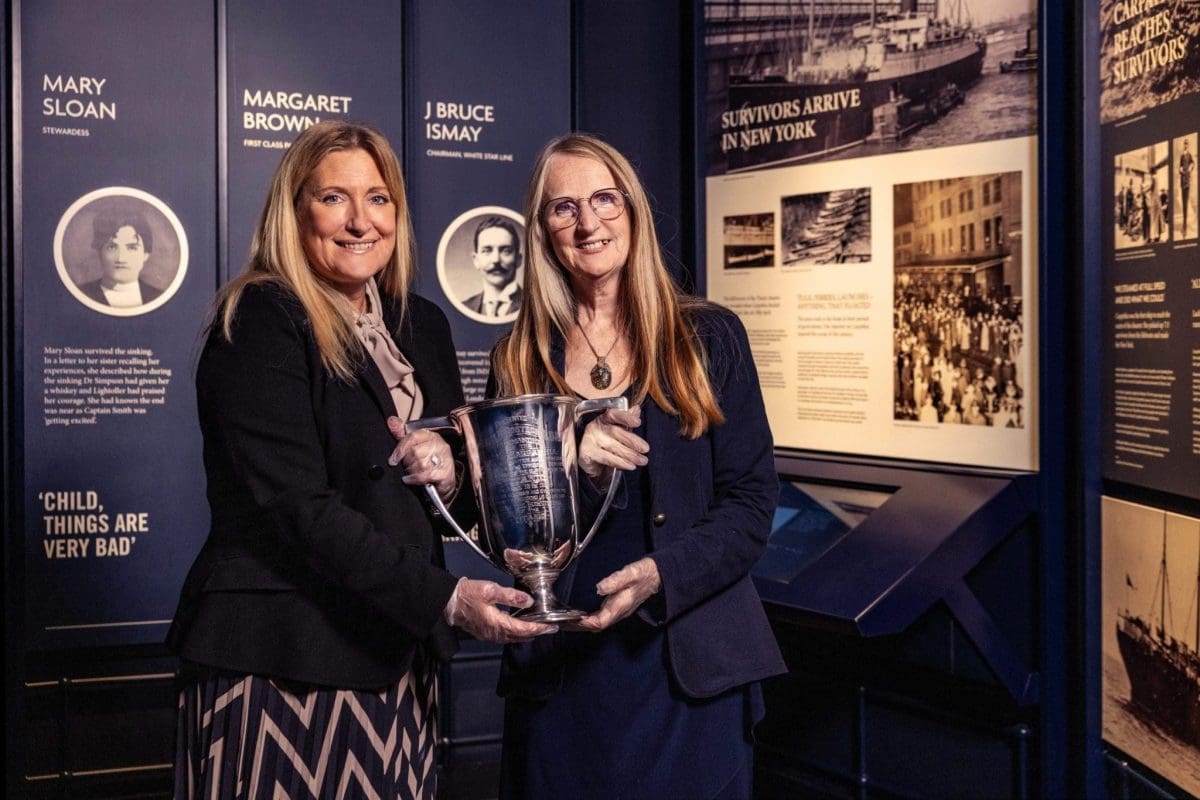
(321, 565)
(711, 504)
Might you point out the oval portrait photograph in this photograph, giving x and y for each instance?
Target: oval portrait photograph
(480, 263)
(120, 251)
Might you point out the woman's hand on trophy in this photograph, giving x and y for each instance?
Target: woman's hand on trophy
(426, 458)
(609, 443)
(624, 591)
(473, 608)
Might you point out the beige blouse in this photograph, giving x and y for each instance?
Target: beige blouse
(397, 372)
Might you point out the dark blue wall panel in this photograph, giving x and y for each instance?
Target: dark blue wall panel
(482, 103)
(633, 81)
(287, 67)
(113, 507)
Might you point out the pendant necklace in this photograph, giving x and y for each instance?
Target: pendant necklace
(601, 373)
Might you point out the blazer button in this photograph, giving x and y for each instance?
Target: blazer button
(660, 519)
(375, 472)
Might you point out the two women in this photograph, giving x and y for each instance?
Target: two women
(312, 621)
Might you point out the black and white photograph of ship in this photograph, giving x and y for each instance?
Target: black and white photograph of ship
(826, 227)
(749, 240)
(812, 80)
(1151, 708)
(1164, 672)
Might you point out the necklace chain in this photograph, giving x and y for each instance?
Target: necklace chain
(593, 349)
(601, 374)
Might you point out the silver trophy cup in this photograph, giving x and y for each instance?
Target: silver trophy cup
(521, 460)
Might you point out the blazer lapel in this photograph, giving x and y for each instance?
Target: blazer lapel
(370, 376)
(558, 352)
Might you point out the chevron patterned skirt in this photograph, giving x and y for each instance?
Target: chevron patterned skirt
(249, 737)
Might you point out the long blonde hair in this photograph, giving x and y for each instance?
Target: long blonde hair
(668, 359)
(277, 254)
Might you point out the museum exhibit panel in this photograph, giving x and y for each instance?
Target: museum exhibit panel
(962, 238)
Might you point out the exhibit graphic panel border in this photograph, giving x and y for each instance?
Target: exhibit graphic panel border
(878, 237)
(1149, 248)
(118, 165)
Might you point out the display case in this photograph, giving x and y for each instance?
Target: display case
(867, 549)
(903, 597)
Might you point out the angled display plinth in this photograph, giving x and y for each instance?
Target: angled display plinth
(865, 550)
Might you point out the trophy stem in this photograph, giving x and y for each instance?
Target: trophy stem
(546, 606)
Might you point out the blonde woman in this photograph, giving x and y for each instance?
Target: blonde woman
(311, 624)
(655, 693)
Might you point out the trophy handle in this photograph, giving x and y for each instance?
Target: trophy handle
(588, 407)
(434, 423)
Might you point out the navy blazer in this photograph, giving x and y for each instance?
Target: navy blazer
(710, 507)
(321, 565)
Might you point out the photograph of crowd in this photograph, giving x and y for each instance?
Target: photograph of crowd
(958, 323)
(956, 357)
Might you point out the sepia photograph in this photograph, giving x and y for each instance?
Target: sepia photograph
(1142, 196)
(796, 82)
(826, 227)
(1151, 638)
(1183, 209)
(958, 322)
(748, 240)
(480, 264)
(120, 251)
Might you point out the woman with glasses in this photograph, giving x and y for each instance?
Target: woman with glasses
(654, 693)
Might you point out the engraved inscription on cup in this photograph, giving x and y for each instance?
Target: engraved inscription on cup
(534, 466)
(526, 485)
(522, 465)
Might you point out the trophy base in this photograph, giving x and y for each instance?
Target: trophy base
(551, 616)
(546, 607)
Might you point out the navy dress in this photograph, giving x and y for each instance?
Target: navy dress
(619, 727)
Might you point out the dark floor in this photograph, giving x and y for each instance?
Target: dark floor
(469, 781)
(461, 781)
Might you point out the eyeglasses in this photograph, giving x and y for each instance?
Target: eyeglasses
(563, 212)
